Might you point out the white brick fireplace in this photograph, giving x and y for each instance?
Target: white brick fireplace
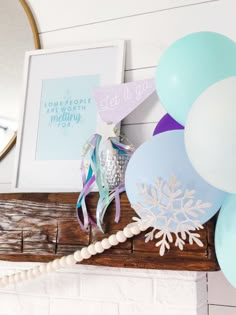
(92, 290)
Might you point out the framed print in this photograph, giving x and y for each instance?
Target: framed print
(59, 113)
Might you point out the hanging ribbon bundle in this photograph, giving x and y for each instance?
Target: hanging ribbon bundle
(107, 157)
(103, 165)
(90, 174)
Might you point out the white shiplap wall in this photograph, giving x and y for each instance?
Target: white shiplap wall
(149, 27)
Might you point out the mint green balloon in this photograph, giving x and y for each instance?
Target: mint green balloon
(190, 66)
(225, 239)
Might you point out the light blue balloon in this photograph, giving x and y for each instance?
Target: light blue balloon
(190, 66)
(225, 239)
(164, 156)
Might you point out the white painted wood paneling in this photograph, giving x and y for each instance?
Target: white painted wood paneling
(139, 133)
(58, 14)
(221, 310)
(149, 35)
(220, 290)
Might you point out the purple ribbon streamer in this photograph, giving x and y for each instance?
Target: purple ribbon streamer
(88, 181)
(94, 175)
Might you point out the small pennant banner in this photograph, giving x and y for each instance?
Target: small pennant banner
(116, 102)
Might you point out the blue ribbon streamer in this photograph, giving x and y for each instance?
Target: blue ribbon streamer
(93, 175)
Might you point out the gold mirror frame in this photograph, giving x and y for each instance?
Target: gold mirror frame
(32, 23)
(37, 45)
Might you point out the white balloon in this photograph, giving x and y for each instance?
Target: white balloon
(210, 135)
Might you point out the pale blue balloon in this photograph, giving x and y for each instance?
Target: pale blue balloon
(164, 156)
(189, 66)
(225, 239)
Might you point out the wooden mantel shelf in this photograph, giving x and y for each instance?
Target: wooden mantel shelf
(40, 227)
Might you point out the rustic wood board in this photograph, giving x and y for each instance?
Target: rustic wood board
(43, 226)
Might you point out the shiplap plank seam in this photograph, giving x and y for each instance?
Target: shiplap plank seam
(128, 16)
(148, 36)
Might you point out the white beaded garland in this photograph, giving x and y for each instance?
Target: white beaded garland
(5, 280)
(56, 264)
(32, 273)
(63, 261)
(105, 243)
(49, 267)
(92, 250)
(113, 240)
(11, 279)
(98, 247)
(77, 256)
(121, 238)
(135, 230)
(23, 275)
(85, 254)
(17, 277)
(42, 269)
(143, 227)
(127, 232)
(70, 260)
(36, 272)
(29, 274)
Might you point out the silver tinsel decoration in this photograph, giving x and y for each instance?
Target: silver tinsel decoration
(113, 165)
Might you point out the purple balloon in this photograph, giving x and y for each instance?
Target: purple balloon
(165, 124)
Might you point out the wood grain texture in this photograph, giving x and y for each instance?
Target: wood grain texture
(40, 227)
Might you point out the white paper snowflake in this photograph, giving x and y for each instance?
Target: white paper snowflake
(169, 208)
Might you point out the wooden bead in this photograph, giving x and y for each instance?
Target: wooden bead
(36, 272)
(70, 260)
(32, 273)
(23, 275)
(62, 261)
(77, 256)
(11, 279)
(121, 237)
(91, 249)
(98, 247)
(29, 275)
(127, 232)
(5, 280)
(113, 240)
(17, 278)
(135, 230)
(49, 267)
(56, 264)
(42, 269)
(143, 227)
(105, 243)
(85, 253)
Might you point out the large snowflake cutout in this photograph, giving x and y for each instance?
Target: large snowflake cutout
(170, 210)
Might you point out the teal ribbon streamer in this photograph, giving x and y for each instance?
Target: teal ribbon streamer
(89, 177)
(94, 175)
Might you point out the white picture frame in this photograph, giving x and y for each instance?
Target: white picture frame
(46, 152)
